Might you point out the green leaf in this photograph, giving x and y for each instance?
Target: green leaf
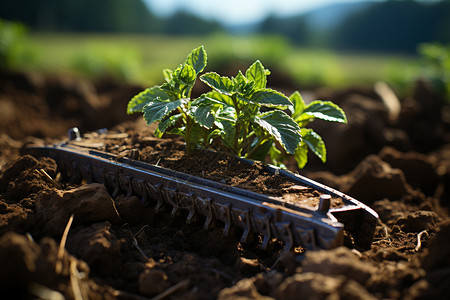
(240, 79)
(315, 143)
(226, 113)
(243, 85)
(137, 103)
(158, 109)
(299, 104)
(204, 116)
(197, 59)
(206, 100)
(281, 127)
(221, 84)
(223, 99)
(168, 75)
(166, 123)
(227, 132)
(269, 97)
(301, 155)
(325, 110)
(185, 74)
(257, 73)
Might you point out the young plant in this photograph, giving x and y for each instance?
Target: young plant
(240, 114)
(252, 121)
(248, 116)
(304, 114)
(171, 103)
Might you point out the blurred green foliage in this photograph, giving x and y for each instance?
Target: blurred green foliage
(307, 67)
(436, 58)
(100, 61)
(228, 50)
(13, 49)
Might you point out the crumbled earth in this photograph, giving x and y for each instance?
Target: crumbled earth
(62, 240)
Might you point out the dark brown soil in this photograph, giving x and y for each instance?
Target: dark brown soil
(119, 249)
(132, 141)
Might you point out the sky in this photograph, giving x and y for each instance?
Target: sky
(236, 12)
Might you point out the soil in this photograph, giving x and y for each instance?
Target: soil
(136, 141)
(397, 162)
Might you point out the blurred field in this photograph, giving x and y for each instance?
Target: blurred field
(141, 58)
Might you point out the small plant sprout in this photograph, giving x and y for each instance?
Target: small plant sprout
(304, 114)
(242, 115)
(249, 116)
(170, 103)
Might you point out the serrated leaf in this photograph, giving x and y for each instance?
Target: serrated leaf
(243, 85)
(206, 100)
(185, 74)
(299, 104)
(226, 113)
(204, 116)
(156, 110)
(257, 73)
(301, 155)
(325, 110)
(269, 97)
(137, 103)
(166, 123)
(240, 78)
(168, 89)
(223, 99)
(219, 83)
(197, 59)
(281, 127)
(315, 143)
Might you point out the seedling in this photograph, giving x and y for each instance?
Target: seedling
(241, 114)
(171, 103)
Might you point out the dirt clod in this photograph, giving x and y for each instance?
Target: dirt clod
(153, 282)
(120, 249)
(88, 203)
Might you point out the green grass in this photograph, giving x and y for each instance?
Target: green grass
(144, 57)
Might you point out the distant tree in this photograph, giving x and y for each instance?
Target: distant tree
(295, 28)
(394, 26)
(81, 15)
(183, 22)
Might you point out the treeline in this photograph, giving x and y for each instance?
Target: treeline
(399, 25)
(101, 16)
(395, 25)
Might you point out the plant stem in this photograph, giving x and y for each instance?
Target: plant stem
(189, 123)
(253, 150)
(237, 147)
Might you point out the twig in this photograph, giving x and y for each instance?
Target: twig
(62, 244)
(74, 280)
(49, 178)
(140, 230)
(171, 290)
(419, 239)
(135, 243)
